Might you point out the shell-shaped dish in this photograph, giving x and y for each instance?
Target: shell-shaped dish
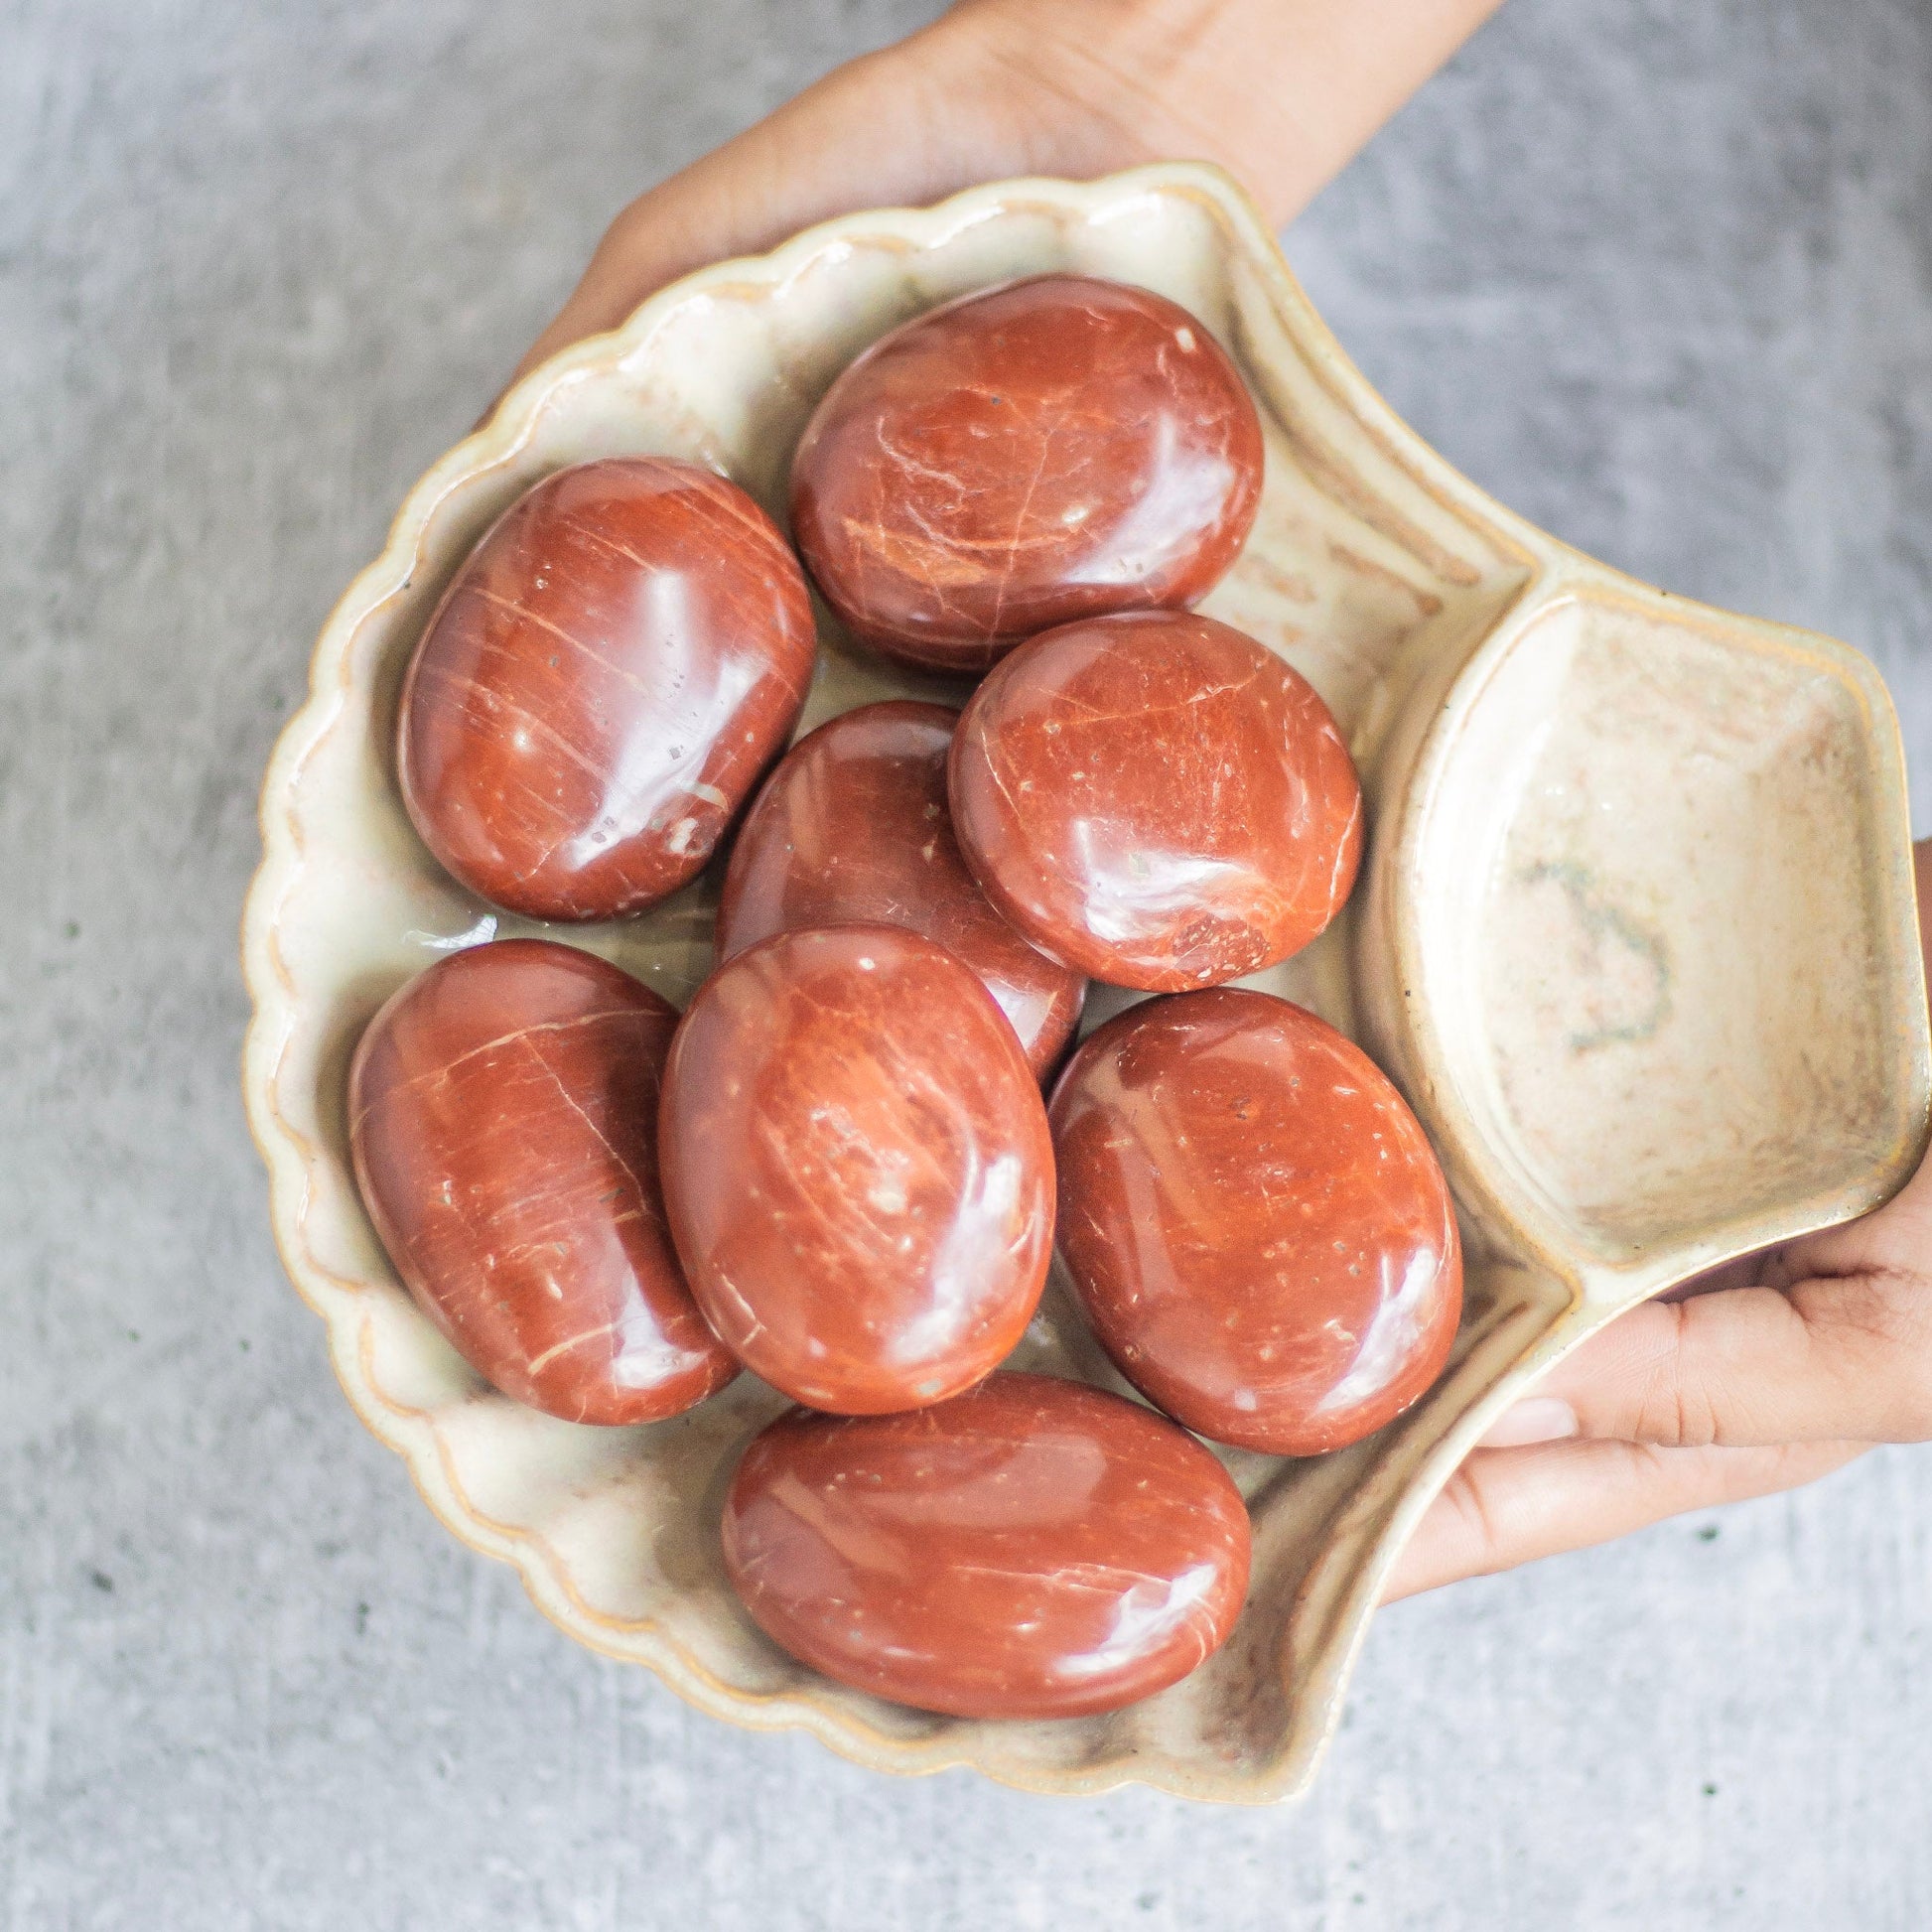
(1636, 936)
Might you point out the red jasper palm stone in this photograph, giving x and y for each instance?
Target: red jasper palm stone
(1036, 452)
(503, 1123)
(602, 684)
(857, 1168)
(1156, 800)
(1254, 1221)
(1033, 1548)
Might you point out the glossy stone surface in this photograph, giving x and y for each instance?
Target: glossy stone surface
(1033, 1548)
(853, 826)
(606, 676)
(857, 1168)
(1254, 1221)
(504, 1121)
(1156, 800)
(1019, 458)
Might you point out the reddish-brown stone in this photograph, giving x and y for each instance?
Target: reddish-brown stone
(1156, 800)
(1036, 1549)
(1254, 1221)
(1019, 458)
(503, 1120)
(603, 684)
(853, 828)
(857, 1168)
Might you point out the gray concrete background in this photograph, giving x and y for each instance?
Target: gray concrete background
(1658, 274)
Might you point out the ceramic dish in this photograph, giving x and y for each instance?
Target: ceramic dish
(1636, 936)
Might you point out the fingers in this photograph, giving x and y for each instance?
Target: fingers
(1830, 1360)
(1505, 1507)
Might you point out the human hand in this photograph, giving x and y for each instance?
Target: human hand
(1794, 1363)
(1281, 92)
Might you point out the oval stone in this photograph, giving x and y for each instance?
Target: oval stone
(1254, 1221)
(1034, 453)
(1034, 1549)
(503, 1123)
(852, 827)
(1155, 801)
(601, 687)
(857, 1168)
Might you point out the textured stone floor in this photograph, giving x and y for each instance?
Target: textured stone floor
(1659, 274)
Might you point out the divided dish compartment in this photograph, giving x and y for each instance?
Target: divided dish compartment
(1497, 692)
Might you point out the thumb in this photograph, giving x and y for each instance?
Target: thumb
(1845, 1359)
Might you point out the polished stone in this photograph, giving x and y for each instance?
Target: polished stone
(1255, 1223)
(1046, 451)
(857, 1168)
(1156, 800)
(1033, 1548)
(854, 827)
(503, 1115)
(604, 680)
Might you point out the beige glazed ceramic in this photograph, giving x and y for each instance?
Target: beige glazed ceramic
(1636, 936)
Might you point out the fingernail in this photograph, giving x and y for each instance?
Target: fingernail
(1540, 1419)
